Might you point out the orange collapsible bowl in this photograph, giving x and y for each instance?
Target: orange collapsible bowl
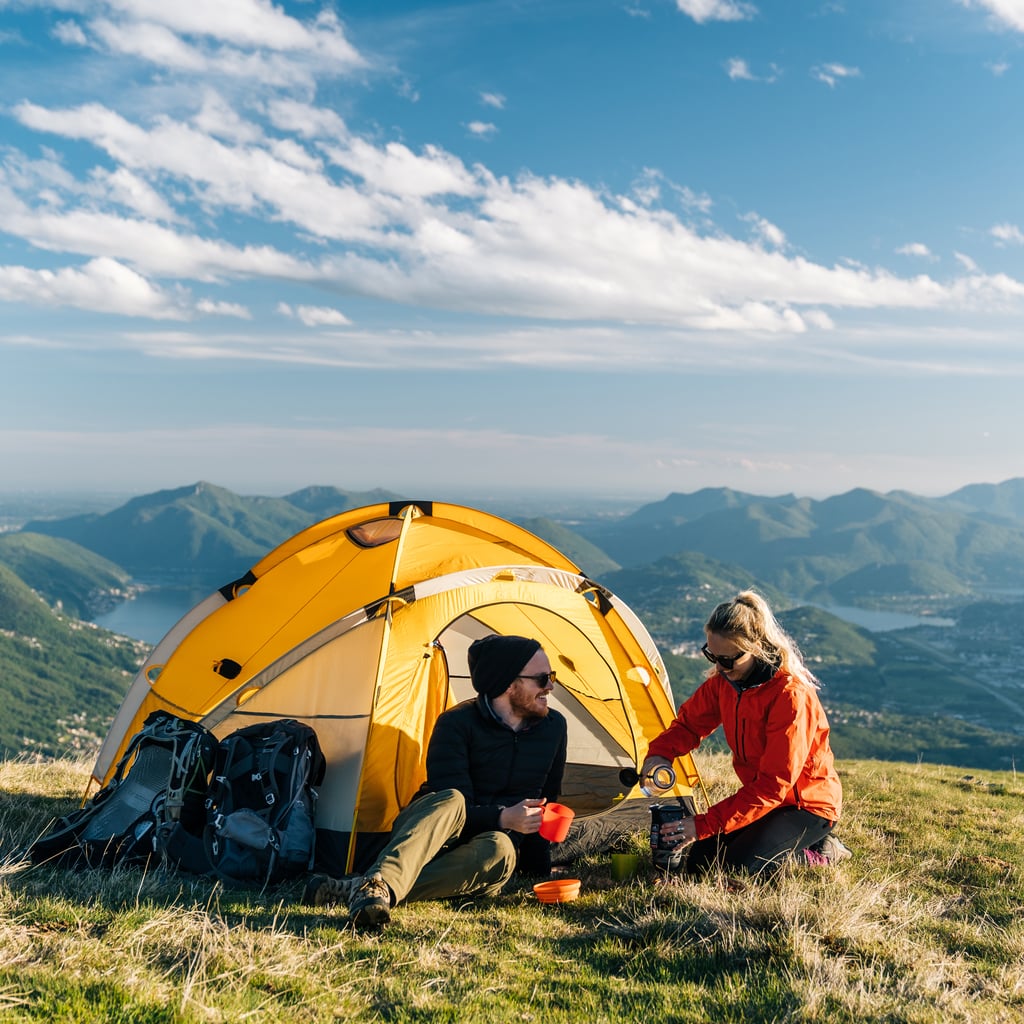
(558, 890)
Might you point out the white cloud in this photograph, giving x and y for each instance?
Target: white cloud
(379, 219)
(243, 178)
(220, 120)
(915, 249)
(241, 23)
(766, 231)
(493, 99)
(251, 39)
(315, 316)
(306, 120)
(102, 285)
(129, 190)
(819, 319)
(1006, 13)
(152, 248)
(832, 73)
(215, 308)
(70, 33)
(737, 68)
(716, 10)
(967, 263)
(430, 231)
(1007, 234)
(481, 128)
(154, 43)
(397, 170)
(998, 68)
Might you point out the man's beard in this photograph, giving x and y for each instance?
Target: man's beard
(527, 707)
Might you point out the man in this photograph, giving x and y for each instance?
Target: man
(492, 764)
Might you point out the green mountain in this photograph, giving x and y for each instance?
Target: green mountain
(201, 529)
(589, 557)
(801, 546)
(674, 595)
(321, 502)
(61, 680)
(880, 581)
(67, 575)
(1003, 501)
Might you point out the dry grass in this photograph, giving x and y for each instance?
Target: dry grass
(923, 926)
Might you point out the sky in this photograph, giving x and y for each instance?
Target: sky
(597, 248)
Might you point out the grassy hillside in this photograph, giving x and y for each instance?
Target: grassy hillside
(61, 680)
(68, 576)
(922, 926)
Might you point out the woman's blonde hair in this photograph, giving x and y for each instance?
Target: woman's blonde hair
(748, 622)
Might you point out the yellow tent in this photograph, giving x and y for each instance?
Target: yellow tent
(359, 626)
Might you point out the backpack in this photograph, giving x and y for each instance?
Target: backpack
(160, 781)
(261, 803)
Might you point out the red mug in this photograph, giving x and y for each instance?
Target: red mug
(555, 821)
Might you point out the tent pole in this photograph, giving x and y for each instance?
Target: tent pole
(407, 515)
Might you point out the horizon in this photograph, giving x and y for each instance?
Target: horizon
(606, 247)
(515, 497)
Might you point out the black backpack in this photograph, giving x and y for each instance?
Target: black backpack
(261, 803)
(159, 782)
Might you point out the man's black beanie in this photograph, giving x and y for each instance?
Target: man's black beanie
(495, 661)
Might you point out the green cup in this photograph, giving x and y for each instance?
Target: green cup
(625, 866)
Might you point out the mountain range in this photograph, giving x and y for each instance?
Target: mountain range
(861, 543)
(854, 546)
(905, 695)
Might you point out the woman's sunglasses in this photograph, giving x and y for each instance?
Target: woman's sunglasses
(727, 661)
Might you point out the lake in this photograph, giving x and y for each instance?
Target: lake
(882, 621)
(150, 615)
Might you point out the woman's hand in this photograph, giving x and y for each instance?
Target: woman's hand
(679, 833)
(647, 771)
(524, 816)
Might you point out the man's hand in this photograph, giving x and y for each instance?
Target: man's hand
(522, 817)
(647, 770)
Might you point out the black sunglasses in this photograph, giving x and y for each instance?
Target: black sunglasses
(542, 679)
(727, 661)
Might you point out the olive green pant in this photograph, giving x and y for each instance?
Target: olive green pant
(416, 864)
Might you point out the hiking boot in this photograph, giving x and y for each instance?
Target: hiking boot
(323, 890)
(814, 859)
(369, 906)
(833, 850)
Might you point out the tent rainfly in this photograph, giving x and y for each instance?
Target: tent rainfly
(359, 626)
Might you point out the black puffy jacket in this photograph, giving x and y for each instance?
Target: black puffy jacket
(493, 766)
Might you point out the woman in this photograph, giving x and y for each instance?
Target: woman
(766, 700)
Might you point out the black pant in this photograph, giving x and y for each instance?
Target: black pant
(760, 848)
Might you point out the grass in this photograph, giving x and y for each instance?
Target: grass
(924, 925)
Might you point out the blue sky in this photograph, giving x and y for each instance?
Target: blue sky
(562, 246)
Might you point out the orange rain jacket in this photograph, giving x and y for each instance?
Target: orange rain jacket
(778, 734)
